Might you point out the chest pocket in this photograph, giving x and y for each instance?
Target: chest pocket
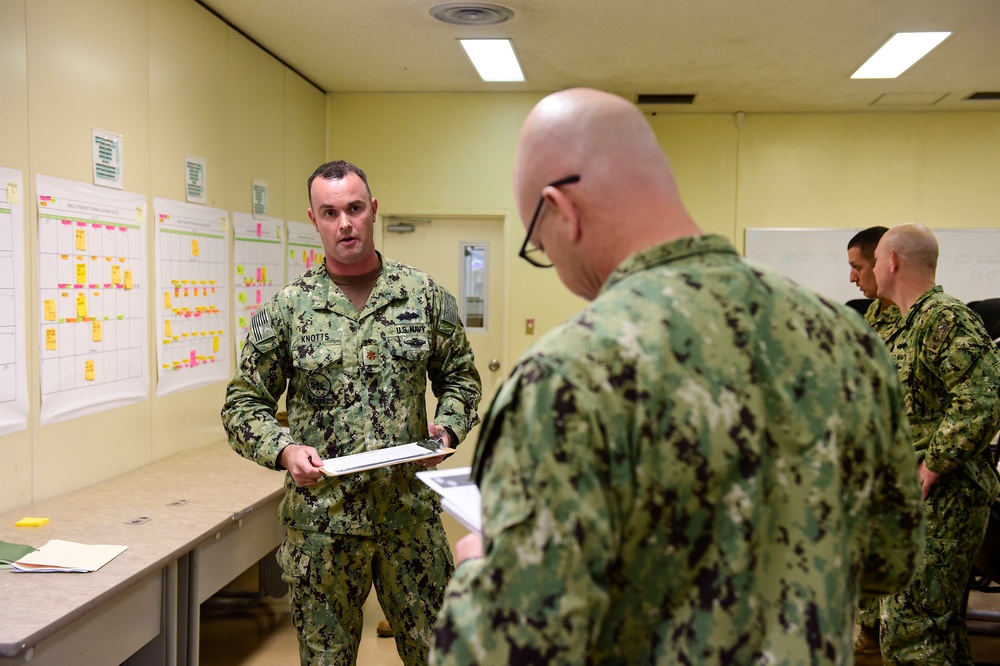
(320, 367)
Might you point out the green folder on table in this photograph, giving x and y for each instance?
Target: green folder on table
(11, 552)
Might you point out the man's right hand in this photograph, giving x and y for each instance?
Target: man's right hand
(303, 463)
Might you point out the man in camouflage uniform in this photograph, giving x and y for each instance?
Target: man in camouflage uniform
(356, 340)
(703, 466)
(883, 316)
(950, 374)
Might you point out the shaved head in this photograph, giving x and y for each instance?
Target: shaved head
(915, 245)
(626, 198)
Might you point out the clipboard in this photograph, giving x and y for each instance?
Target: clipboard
(393, 455)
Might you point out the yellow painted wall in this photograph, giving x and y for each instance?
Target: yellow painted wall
(173, 80)
(452, 153)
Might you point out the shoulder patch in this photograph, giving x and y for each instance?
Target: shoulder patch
(449, 308)
(260, 327)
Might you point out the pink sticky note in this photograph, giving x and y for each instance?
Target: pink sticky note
(260, 229)
(258, 295)
(260, 275)
(194, 359)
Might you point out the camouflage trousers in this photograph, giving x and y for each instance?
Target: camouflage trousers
(331, 575)
(922, 624)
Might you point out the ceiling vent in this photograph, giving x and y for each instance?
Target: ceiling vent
(665, 99)
(994, 95)
(471, 13)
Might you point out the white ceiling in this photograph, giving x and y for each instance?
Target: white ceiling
(734, 55)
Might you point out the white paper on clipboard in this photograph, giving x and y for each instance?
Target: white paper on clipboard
(393, 455)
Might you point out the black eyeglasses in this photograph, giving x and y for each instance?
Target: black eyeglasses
(526, 251)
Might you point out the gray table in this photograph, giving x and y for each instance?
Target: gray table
(192, 523)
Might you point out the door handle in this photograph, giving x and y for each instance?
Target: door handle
(494, 364)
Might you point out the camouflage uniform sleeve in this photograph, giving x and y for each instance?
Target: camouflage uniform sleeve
(537, 595)
(898, 524)
(452, 368)
(252, 394)
(966, 364)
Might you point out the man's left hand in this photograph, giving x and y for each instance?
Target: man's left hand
(434, 431)
(927, 478)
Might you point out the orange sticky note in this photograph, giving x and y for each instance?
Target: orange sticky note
(50, 339)
(88, 371)
(96, 331)
(50, 310)
(128, 279)
(81, 305)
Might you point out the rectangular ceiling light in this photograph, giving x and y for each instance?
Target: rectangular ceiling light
(494, 59)
(895, 57)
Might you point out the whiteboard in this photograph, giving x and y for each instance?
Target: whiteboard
(968, 261)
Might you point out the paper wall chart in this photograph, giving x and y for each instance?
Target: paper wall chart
(258, 256)
(13, 322)
(92, 298)
(305, 249)
(191, 295)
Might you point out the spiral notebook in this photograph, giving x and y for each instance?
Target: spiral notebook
(459, 494)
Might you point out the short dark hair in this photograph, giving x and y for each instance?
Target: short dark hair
(867, 240)
(335, 171)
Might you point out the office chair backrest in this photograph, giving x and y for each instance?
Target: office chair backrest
(989, 310)
(860, 304)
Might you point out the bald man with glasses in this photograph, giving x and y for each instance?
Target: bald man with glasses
(704, 466)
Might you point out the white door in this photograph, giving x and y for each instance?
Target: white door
(451, 249)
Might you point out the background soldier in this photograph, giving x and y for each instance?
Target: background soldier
(950, 374)
(882, 314)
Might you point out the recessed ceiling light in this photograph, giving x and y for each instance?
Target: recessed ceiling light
(898, 54)
(494, 59)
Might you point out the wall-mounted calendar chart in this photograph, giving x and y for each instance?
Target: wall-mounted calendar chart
(191, 296)
(305, 249)
(13, 322)
(92, 298)
(258, 255)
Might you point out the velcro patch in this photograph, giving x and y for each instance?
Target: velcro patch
(449, 309)
(260, 327)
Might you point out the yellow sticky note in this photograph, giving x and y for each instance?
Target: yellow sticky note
(81, 240)
(81, 273)
(88, 371)
(49, 308)
(31, 521)
(50, 339)
(194, 247)
(166, 300)
(128, 279)
(241, 297)
(81, 305)
(263, 274)
(96, 331)
(215, 344)
(116, 274)
(13, 196)
(239, 269)
(166, 328)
